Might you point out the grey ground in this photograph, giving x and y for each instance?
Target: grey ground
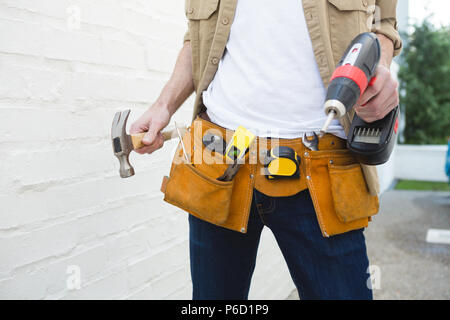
(410, 267)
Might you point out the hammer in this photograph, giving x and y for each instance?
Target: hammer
(124, 143)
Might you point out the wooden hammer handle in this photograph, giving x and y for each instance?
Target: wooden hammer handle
(136, 139)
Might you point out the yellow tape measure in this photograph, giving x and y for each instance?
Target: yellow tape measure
(282, 162)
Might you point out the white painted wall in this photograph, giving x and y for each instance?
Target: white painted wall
(423, 163)
(66, 67)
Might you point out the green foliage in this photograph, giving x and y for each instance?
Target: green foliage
(425, 85)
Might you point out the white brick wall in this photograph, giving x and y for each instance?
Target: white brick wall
(62, 201)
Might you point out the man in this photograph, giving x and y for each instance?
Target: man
(265, 65)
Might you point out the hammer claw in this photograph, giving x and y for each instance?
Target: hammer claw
(122, 124)
(122, 143)
(114, 124)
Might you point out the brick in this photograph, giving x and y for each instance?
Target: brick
(159, 58)
(173, 9)
(88, 196)
(143, 89)
(145, 293)
(185, 293)
(169, 284)
(34, 166)
(148, 268)
(111, 286)
(73, 46)
(29, 247)
(174, 225)
(118, 53)
(114, 220)
(47, 7)
(28, 167)
(99, 86)
(120, 249)
(21, 37)
(51, 280)
(92, 263)
(102, 12)
(32, 83)
(47, 125)
(24, 286)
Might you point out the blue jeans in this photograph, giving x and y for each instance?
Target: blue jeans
(222, 261)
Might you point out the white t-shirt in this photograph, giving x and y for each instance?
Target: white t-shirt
(268, 80)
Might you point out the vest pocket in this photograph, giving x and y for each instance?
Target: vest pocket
(202, 15)
(200, 9)
(350, 5)
(347, 19)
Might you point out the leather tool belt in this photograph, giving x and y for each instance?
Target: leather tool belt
(332, 175)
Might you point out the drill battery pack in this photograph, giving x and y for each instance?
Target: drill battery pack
(372, 143)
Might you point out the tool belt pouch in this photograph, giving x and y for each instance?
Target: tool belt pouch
(351, 198)
(203, 196)
(195, 188)
(339, 192)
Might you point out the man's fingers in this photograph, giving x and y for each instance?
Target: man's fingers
(390, 104)
(379, 99)
(372, 111)
(384, 99)
(142, 150)
(156, 144)
(372, 90)
(367, 96)
(150, 136)
(147, 141)
(153, 131)
(375, 110)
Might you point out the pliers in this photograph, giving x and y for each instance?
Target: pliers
(231, 171)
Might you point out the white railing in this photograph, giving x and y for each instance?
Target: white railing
(421, 162)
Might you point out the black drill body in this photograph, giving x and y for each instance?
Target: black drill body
(371, 143)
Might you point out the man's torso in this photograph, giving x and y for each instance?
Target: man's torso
(268, 79)
(332, 25)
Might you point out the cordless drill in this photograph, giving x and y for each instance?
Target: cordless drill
(371, 143)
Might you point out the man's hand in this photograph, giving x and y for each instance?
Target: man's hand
(152, 121)
(382, 97)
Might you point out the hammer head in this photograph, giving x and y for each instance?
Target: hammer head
(121, 142)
